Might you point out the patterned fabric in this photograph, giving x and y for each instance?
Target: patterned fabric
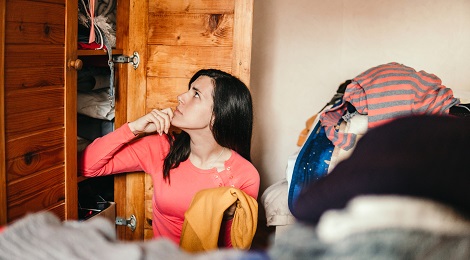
(387, 92)
(312, 162)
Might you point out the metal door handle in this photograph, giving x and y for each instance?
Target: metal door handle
(131, 222)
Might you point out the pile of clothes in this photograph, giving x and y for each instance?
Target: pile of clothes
(375, 97)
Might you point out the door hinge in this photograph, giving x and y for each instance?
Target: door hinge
(131, 222)
(134, 59)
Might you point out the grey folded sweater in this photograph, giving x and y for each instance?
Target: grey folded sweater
(44, 236)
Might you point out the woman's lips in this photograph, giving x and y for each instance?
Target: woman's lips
(177, 111)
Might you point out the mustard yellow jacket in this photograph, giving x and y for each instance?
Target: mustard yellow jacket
(203, 219)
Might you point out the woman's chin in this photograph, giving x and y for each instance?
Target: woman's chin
(176, 123)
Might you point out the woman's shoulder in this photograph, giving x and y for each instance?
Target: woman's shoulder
(238, 161)
(246, 174)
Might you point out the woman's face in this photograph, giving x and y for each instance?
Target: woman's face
(194, 110)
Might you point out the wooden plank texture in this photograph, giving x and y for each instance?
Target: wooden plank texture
(30, 163)
(3, 173)
(34, 143)
(242, 38)
(34, 100)
(31, 185)
(136, 85)
(34, 33)
(24, 56)
(192, 6)
(58, 210)
(21, 124)
(163, 92)
(43, 199)
(35, 12)
(191, 29)
(70, 110)
(184, 61)
(122, 36)
(33, 59)
(25, 78)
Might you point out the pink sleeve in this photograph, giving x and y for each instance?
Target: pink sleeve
(116, 152)
(252, 187)
(252, 183)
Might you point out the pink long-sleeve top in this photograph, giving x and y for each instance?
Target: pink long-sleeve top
(120, 151)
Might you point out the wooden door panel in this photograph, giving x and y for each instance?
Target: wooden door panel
(3, 177)
(24, 56)
(191, 6)
(32, 100)
(24, 166)
(38, 120)
(22, 124)
(191, 29)
(40, 12)
(175, 39)
(25, 146)
(34, 33)
(184, 61)
(24, 78)
(36, 192)
(45, 199)
(162, 92)
(34, 184)
(59, 210)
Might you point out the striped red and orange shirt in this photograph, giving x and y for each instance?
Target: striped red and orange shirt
(386, 92)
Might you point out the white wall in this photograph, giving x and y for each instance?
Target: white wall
(303, 50)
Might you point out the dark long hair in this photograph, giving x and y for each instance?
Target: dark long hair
(233, 120)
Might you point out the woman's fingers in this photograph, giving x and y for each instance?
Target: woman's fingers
(168, 116)
(162, 119)
(155, 121)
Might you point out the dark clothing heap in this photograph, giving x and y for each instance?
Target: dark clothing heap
(418, 156)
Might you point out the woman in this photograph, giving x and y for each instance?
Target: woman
(212, 150)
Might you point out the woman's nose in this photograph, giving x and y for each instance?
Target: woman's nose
(180, 100)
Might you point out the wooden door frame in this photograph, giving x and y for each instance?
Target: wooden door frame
(70, 110)
(129, 188)
(242, 40)
(3, 180)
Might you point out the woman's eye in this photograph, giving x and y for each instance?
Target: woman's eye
(196, 94)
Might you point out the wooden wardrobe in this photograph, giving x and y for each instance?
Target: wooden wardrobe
(38, 108)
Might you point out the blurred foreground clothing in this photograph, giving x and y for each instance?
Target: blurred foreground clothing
(42, 236)
(379, 227)
(419, 156)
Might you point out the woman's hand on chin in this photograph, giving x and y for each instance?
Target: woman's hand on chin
(155, 121)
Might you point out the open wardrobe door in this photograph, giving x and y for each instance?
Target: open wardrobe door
(173, 40)
(38, 108)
